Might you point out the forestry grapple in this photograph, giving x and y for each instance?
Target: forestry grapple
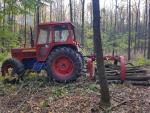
(57, 51)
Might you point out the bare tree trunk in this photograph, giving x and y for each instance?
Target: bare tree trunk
(139, 25)
(129, 38)
(37, 16)
(11, 15)
(45, 15)
(15, 28)
(146, 17)
(148, 54)
(136, 32)
(116, 16)
(127, 14)
(115, 26)
(74, 3)
(4, 15)
(132, 29)
(50, 15)
(82, 38)
(71, 16)
(1, 21)
(111, 19)
(42, 13)
(91, 14)
(61, 10)
(34, 19)
(25, 26)
(105, 97)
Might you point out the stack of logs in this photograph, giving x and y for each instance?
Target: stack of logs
(135, 75)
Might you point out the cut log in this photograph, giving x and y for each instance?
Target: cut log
(130, 78)
(137, 83)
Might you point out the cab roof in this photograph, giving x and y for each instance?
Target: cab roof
(55, 23)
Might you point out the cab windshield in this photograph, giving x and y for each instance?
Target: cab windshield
(44, 34)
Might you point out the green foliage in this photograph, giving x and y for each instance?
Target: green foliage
(3, 56)
(94, 87)
(119, 41)
(59, 92)
(88, 49)
(141, 61)
(11, 10)
(28, 4)
(8, 39)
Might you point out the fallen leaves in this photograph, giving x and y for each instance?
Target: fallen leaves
(77, 97)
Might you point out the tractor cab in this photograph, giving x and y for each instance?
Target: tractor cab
(53, 35)
(49, 36)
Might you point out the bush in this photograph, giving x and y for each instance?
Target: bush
(141, 61)
(3, 56)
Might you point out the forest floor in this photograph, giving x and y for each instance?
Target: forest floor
(35, 95)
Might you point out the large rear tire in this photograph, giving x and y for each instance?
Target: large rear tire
(64, 65)
(13, 68)
(82, 63)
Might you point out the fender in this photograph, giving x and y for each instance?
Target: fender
(44, 51)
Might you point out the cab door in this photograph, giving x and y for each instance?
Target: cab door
(43, 44)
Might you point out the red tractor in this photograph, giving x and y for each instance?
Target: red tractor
(54, 50)
(57, 51)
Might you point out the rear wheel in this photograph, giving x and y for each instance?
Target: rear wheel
(82, 63)
(12, 68)
(64, 65)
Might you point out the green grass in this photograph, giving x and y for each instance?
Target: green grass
(58, 90)
(141, 61)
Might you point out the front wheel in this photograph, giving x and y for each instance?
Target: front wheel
(64, 65)
(13, 69)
